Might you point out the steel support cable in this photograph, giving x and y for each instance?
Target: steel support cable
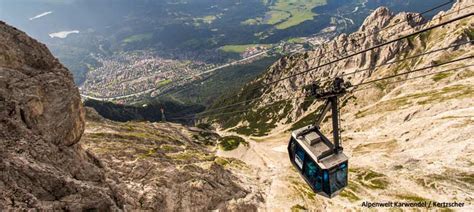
(411, 78)
(415, 70)
(390, 26)
(416, 77)
(368, 49)
(363, 83)
(241, 111)
(368, 35)
(400, 60)
(350, 73)
(364, 36)
(373, 47)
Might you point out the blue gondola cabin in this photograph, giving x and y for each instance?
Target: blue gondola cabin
(324, 169)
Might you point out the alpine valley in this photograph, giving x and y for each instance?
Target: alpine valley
(189, 105)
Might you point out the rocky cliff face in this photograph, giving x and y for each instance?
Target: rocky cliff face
(139, 166)
(286, 110)
(164, 166)
(41, 122)
(408, 139)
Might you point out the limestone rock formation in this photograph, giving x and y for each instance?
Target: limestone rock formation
(41, 123)
(409, 138)
(159, 166)
(379, 27)
(126, 166)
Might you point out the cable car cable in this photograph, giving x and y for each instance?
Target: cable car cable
(399, 60)
(364, 36)
(362, 83)
(350, 73)
(374, 47)
(377, 31)
(413, 71)
(417, 77)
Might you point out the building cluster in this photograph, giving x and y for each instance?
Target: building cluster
(251, 51)
(132, 72)
(147, 71)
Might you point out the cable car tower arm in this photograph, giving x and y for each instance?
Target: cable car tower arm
(331, 97)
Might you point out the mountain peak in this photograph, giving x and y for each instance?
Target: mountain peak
(382, 17)
(376, 20)
(21, 52)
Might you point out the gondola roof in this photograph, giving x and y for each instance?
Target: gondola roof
(309, 139)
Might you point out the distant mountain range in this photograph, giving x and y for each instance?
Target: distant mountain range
(73, 29)
(406, 126)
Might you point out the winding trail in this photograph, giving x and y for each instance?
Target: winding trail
(269, 158)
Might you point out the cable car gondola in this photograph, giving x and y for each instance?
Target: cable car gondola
(320, 162)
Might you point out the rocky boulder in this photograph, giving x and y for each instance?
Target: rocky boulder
(122, 166)
(41, 122)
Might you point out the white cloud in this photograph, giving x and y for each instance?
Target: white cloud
(41, 15)
(63, 34)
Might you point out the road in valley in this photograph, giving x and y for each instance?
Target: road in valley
(182, 79)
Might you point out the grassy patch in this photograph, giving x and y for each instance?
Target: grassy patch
(433, 181)
(421, 98)
(232, 163)
(168, 148)
(448, 56)
(296, 208)
(221, 161)
(295, 40)
(285, 14)
(347, 100)
(163, 83)
(351, 196)
(470, 33)
(231, 142)
(150, 153)
(239, 48)
(440, 76)
(466, 74)
(277, 16)
(369, 178)
(307, 120)
(252, 21)
(466, 178)
(379, 146)
(138, 38)
(412, 197)
(303, 189)
(296, 19)
(190, 155)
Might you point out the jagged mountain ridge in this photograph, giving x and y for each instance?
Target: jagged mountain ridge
(341, 45)
(48, 163)
(407, 141)
(418, 132)
(367, 36)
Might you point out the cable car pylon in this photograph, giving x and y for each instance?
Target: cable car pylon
(320, 162)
